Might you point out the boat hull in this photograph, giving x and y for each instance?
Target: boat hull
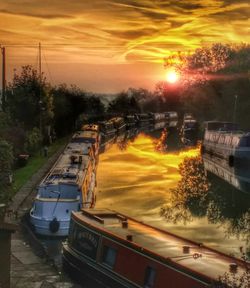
(81, 269)
(42, 227)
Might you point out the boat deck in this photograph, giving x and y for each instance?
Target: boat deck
(189, 254)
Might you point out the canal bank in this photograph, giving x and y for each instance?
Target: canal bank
(29, 265)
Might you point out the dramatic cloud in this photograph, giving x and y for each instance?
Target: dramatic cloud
(120, 31)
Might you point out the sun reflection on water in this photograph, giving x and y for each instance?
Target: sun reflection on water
(139, 180)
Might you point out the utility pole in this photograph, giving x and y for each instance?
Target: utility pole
(40, 65)
(40, 88)
(3, 77)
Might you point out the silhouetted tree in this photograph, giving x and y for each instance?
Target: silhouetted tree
(6, 161)
(29, 100)
(124, 104)
(69, 103)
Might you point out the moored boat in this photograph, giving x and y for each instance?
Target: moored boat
(131, 121)
(119, 124)
(143, 119)
(189, 130)
(227, 143)
(171, 118)
(107, 128)
(69, 186)
(238, 176)
(119, 251)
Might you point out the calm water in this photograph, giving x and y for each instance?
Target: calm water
(139, 180)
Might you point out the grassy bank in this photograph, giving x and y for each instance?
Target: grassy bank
(23, 174)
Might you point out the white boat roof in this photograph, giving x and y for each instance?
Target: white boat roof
(85, 136)
(69, 169)
(90, 127)
(160, 244)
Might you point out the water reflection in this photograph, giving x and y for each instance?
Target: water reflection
(163, 188)
(238, 175)
(199, 196)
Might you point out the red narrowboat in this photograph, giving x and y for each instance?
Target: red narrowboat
(119, 251)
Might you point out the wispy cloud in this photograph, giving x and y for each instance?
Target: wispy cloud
(125, 30)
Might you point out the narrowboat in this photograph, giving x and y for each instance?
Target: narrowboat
(85, 140)
(237, 176)
(227, 143)
(189, 130)
(90, 127)
(119, 124)
(171, 118)
(68, 186)
(107, 128)
(131, 121)
(143, 119)
(157, 117)
(119, 251)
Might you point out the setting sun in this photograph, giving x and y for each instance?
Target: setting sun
(172, 76)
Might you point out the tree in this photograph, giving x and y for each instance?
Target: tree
(69, 103)
(29, 100)
(95, 107)
(6, 161)
(33, 141)
(124, 104)
(210, 79)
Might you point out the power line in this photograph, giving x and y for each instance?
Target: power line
(71, 45)
(51, 79)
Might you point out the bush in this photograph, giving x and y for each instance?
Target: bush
(33, 141)
(6, 161)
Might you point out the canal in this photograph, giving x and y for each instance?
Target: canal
(138, 179)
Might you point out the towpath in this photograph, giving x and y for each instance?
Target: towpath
(29, 264)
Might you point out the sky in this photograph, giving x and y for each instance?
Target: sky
(111, 45)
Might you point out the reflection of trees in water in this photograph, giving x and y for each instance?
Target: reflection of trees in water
(197, 196)
(123, 141)
(189, 197)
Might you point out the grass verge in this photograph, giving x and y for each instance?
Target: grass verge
(23, 174)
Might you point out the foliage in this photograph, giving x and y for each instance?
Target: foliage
(29, 100)
(189, 197)
(69, 103)
(6, 161)
(167, 96)
(198, 195)
(95, 107)
(33, 141)
(22, 175)
(4, 122)
(15, 135)
(210, 79)
(233, 280)
(124, 104)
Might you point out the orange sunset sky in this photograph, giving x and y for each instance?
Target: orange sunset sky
(110, 45)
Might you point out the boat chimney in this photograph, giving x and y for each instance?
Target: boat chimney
(186, 249)
(124, 224)
(233, 267)
(130, 237)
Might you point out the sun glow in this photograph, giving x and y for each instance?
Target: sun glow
(172, 76)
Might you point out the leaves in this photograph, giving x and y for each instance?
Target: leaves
(6, 161)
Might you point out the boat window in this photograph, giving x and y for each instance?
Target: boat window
(83, 140)
(109, 256)
(83, 240)
(150, 274)
(245, 141)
